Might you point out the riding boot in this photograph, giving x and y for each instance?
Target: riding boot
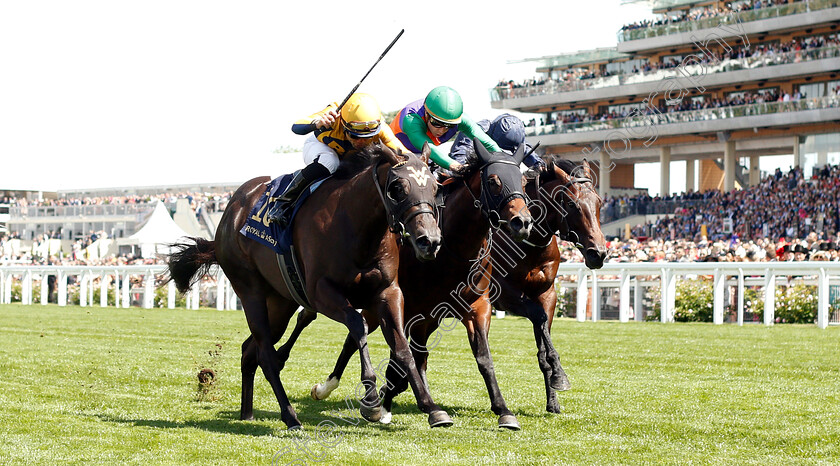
(281, 211)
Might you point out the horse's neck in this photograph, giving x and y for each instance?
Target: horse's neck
(360, 201)
(546, 211)
(464, 227)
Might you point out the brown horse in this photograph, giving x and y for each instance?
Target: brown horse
(349, 257)
(563, 201)
(460, 274)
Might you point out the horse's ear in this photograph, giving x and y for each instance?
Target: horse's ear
(425, 153)
(482, 151)
(519, 155)
(388, 153)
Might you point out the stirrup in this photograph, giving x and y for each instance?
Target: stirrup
(279, 214)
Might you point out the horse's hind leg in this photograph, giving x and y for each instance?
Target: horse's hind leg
(305, 317)
(257, 313)
(279, 309)
(330, 302)
(249, 368)
(559, 380)
(321, 391)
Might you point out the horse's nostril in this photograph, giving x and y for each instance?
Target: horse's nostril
(516, 224)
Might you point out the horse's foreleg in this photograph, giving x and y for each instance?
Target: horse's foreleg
(305, 317)
(396, 379)
(330, 302)
(249, 368)
(390, 313)
(477, 323)
(256, 311)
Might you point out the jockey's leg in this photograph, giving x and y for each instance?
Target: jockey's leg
(321, 162)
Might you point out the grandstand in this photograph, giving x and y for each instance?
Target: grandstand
(715, 85)
(101, 221)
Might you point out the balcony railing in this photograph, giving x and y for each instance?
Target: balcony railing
(19, 212)
(742, 16)
(737, 64)
(653, 119)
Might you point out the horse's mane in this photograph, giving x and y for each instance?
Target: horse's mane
(566, 165)
(356, 161)
(472, 164)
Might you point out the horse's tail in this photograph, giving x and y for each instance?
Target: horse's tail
(190, 261)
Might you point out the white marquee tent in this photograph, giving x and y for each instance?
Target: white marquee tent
(159, 231)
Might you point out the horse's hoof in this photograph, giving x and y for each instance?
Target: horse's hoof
(508, 421)
(321, 391)
(560, 382)
(249, 417)
(371, 414)
(295, 427)
(553, 408)
(439, 418)
(386, 417)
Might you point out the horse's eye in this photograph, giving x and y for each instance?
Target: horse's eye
(398, 190)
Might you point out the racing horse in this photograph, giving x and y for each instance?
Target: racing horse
(563, 201)
(346, 239)
(489, 195)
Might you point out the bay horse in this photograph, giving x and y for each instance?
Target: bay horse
(348, 252)
(563, 202)
(460, 273)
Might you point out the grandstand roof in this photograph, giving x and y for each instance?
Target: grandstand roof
(583, 57)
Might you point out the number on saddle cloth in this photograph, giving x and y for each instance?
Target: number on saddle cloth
(259, 228)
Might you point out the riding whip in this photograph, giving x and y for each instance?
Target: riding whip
(371, 69)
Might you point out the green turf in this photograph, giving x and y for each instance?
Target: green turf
(94, 385)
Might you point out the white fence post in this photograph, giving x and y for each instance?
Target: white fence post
(117, 290)
(6, 291)
(822, 301)
(83, 289)
(149, 290)
(126, 290)
(638, 296)
(61, 284)
(769, 297)
(170, 295)
(624, 297)
(582, 296)
(26, 288)
(668, 292)
(220, 290)
(194, 294)
(596, 299)
(741, 291)
(717, 308)
(45, 288)
(103, 289)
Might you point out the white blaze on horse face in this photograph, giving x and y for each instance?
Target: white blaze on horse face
(421, 176)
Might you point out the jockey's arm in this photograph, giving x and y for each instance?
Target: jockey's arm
(307, 125)
(386, 135)
(473, 130)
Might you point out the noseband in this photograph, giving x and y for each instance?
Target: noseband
(396, 210)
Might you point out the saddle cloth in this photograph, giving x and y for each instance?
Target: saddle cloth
(258, 228)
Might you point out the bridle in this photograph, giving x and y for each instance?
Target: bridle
(395, 211)
(486, 199)
(569, 235)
